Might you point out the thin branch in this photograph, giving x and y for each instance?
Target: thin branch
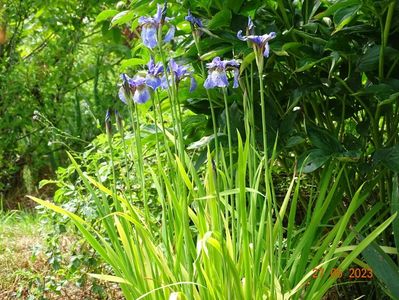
(40, 47)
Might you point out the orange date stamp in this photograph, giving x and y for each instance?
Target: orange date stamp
(351, 274)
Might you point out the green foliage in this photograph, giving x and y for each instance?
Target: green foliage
(384, 268)
(182, 202)
(56, 74)
(22, 244)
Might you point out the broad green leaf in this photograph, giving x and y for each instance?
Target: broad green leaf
(389, 157)
(291, 45)
(383, 267)
(307, 64)
(344, 15)
(315, 159)
(336, 6)
(294, 141)
(209, 33)
(131, 62)
(380, 90)
(220, 19)
(323, 139)
(370, 60)
(122, 18)
(310, 37)
(106, 14)
(216, 52)
(235, 5)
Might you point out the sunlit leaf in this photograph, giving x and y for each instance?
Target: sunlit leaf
(106, 14)
(122, 18)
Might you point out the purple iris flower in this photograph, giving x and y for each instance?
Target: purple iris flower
(134, 88)
(179, 73)
(261, 41)
(195, 22)
(217, 76)
(155, 71)
(151, 25)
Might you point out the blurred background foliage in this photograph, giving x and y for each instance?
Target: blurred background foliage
(57, 74)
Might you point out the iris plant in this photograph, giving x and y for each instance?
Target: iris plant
(154, 74)
(217, 76)
(179, 73)
(195, 22)
(261, 42)
(119, 121)
(108, 125)
(151, 25)
(135, 88)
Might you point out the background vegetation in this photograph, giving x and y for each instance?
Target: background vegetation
(328, 165)
(57, 76)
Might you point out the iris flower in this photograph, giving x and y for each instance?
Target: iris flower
(134, 88)
(195, 22)
(217, 76)
(179, 73)
(151, 25)
(155, 71)
(261, 42)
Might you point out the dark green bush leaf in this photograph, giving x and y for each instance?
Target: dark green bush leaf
(337, 6)
(216, 52)
(324, 140)
(389, 157)
(381, 90)
(344, 15)
(314, 160)
(383, 267)
(294, 140)
(221, 19)
(369, 61)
